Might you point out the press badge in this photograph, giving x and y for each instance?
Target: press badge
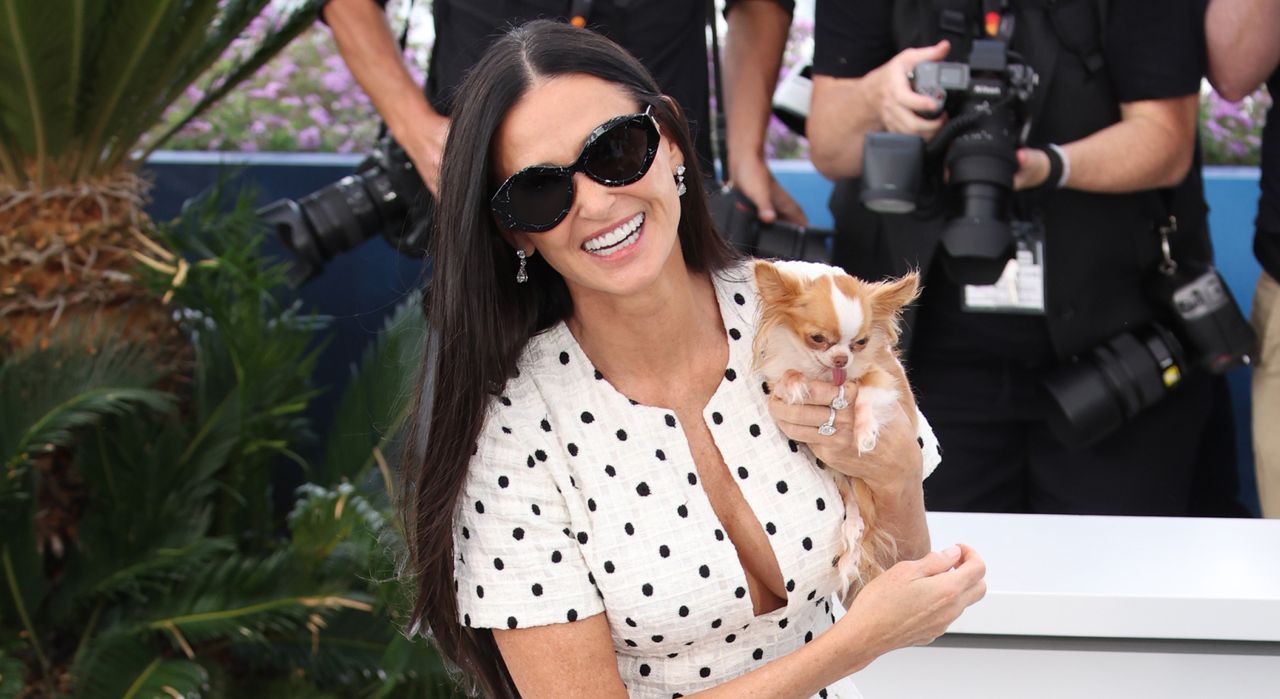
(1020, 288)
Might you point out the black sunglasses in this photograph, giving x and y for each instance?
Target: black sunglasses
(617, 153)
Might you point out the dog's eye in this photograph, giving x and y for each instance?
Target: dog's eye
(818, 339)
(860, 343)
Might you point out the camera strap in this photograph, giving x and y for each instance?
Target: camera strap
(719, 133)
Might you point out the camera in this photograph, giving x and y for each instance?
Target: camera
(385, 193)
(736, 218)
(987, 100)
(1092, 397)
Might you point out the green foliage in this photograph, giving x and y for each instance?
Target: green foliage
(171, 572)
(81, 82)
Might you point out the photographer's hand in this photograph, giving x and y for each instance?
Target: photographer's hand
(1033, 168)
(753, 179)
(899, 106)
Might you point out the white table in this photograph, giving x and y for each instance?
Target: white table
(1086, 606)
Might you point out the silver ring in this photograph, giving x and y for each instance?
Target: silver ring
(828, 428)
(839, 403)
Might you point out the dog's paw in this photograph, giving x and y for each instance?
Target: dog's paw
(793, 388)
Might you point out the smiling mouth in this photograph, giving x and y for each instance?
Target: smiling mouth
(623, 236)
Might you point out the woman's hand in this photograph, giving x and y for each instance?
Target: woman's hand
(914, 602)
(895, 464)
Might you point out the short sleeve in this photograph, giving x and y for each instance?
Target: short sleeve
(929, 446)
(1155, 50)
(851, 39)
(517, 556)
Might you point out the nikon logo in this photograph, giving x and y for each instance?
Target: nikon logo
(986, 90)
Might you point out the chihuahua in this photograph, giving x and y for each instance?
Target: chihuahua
(818, 323)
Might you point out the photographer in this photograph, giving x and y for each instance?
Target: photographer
(1112, 120)
(668, 36)
(1243, 51)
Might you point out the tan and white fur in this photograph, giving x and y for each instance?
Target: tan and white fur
(814, 321)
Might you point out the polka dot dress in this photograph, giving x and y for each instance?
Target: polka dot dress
(580, 501)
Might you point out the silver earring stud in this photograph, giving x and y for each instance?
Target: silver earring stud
(521, 275)
(680, 187)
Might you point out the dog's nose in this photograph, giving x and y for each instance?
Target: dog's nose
(840, 360)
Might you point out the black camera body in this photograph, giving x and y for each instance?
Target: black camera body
(1204, 331)
(737, 220)
(385, 194)
(986, 99)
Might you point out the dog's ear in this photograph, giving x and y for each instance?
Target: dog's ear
(888, 298)
(773, 284)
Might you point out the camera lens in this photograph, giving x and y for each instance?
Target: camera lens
(892, 167)
(1090, 398)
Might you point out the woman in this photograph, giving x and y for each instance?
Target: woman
(604, 504)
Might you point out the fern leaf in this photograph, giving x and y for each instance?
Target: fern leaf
(120, 665)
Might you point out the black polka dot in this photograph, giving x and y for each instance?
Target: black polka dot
(537, 590)
(479, 507)
(733, 332)
(791, 586)
(556, 557)
(822, 504)
(693, 479)
(507, 402)
(768, 526)
(704, 672)
(598, 375)
(717, 418)
(647, 589)
(684, 611)
(622, 435)
(812, 594)
(540, 455)
(506, 430)
(588, 418)
(466, 619)
(572, 615)
(757, 654)
(808, 636)
(503, 481)
(682, 511)
(645, 669)
(704, 571)
(730, 638)
(754, 430)
(630, 643)
(719, 534)
(643, 489)
(610, 471)
(608, 567)
(738, 299)
(822, 693)
(546, 426)
(782, 487)
(517, 533)
(661, 455)
(497, 563)
(807, 543)
(742, 472)
(656, 638)
(630, 622)
(716, 624)
(531, 463)
(564, 357)
(582, 537)
(630, 529)
(664, 551)
(591, 504)
(765, 387)
(730, 374)
(794, 447)
(466, 533)
(672, 655)
(671, 420)
(573, 449)
(782, 623)
(740, 592)
(480, 591)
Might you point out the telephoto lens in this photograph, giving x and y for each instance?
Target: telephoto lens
(892, 169)
(1094, 395)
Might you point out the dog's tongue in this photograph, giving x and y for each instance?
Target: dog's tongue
(837, 376)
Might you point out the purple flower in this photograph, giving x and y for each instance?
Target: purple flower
(309, 138)
(338, 81)
(319, 116)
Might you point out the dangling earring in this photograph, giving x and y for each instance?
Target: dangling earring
(680, 188)
(521, 275)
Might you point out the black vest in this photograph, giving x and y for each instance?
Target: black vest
(1100, 248)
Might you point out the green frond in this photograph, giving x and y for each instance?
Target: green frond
(118, 665)
(378, 398)
(11, 677)
(335, 523)
(48, 396)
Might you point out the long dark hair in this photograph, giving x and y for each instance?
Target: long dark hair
(481, 320)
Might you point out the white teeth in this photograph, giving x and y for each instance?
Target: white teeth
(626, 233)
